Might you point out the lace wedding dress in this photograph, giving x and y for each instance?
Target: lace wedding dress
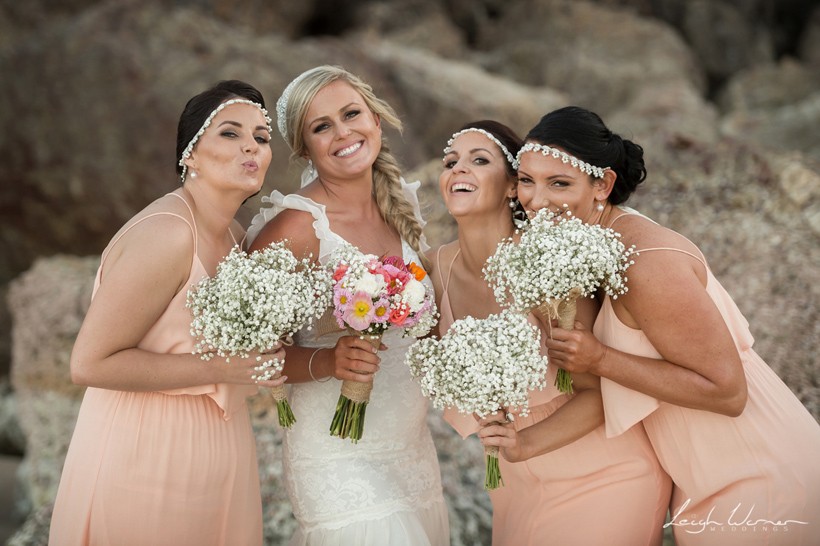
(384, 490)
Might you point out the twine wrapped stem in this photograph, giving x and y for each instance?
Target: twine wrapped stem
(348, 421)
(280, 395)
(564, 311)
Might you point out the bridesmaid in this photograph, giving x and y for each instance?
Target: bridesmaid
(564, 482)
(675, 356)
(163, 451)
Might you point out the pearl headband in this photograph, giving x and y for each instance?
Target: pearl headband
(597, 172)
(487, 134)
(190, 147)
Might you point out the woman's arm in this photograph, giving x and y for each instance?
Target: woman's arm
(352, 358)
(140, 277)
(667, 300)
(579, 416)
(575, 419)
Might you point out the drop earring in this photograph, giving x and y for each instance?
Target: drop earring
(193, 173)
(599, 207)
(311, 169)
(512, 202)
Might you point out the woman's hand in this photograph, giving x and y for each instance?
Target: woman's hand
(577, 351)
(355, 359)
(497, 431)
(253, 369)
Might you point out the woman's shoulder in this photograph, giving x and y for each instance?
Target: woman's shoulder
(643, 233)
(292, 225)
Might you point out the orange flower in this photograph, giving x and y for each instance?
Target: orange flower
(417, 271)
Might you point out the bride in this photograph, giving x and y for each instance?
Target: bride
(386, 489)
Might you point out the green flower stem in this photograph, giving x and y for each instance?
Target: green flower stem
(492, 475)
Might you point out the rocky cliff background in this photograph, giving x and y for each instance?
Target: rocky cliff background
(724, 96)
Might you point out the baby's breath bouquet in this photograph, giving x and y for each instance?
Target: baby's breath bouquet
(254, 301)
(558, 259)
(481, 366)
(371, 295)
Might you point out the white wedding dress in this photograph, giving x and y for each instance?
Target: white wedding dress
(384, 490)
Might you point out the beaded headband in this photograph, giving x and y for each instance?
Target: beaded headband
(282, 103)
(190, 147)
(487, 134)
(597, 172)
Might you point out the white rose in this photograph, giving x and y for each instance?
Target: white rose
(370, 284)
(413, 295)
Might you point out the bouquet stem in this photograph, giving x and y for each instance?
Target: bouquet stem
(492, 475)
(286, 417)
(564, 310)
(348, 421)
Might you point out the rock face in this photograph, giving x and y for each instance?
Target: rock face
(724, 96)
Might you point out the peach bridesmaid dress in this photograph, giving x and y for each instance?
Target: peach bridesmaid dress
(175, 467)
(748, 480)
(592, 491)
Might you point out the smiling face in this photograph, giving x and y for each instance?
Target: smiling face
(475, 178)
(235, 149)
(341, 134)
(547, 182)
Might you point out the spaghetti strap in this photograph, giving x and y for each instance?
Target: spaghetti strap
(698, 258)
(191, 225)
(631, 212)
(446, 284)
(193, 221)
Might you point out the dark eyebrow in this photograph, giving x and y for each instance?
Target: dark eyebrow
(239, 125)
(485, 150)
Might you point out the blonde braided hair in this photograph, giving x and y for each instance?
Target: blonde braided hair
(394, 207)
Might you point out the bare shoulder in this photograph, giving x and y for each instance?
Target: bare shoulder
(157, 243)
(643, 233)
(293, 226)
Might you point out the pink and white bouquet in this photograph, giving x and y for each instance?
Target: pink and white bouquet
(481, 366)
(558, 259)
(371, 295)
(253, 302)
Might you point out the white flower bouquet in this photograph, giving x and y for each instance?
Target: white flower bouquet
(369, 296)
(254, 301)
(481, 366)
(558, 259)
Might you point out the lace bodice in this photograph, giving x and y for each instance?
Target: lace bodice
(333, 482)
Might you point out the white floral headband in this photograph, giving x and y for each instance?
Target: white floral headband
(487, 134)
(190, 147)
(597, 172)
(282, 103)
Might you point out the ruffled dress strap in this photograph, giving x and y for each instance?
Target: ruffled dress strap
(328, 240)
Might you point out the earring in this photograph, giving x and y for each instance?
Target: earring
(599, 207)
(193, 173)
(311, 169)
(512, 202)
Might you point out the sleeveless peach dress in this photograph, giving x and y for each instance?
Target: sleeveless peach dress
(748, 480)
(175, 467)
(594, 491)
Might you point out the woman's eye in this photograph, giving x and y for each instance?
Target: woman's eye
(449, 164)
(262, 139)
(352, 114)
(229, 134)
(560, 183)
(524, 180)
(481, 161)
(321, 127)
